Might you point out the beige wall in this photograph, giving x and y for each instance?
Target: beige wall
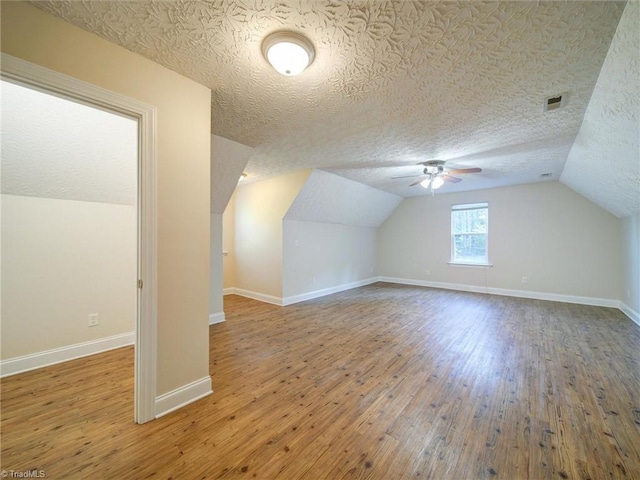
(630, 250)
(279, 258)
(561, 242)
(228, 159)
(320, 256)
(228, 244)
(216, 259)
(183, 155)
(61, 261)
(259, 210)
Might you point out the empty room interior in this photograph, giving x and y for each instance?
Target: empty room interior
(309, 239)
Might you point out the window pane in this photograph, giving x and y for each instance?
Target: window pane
(469, 228)
(470, 221)
(470, 248)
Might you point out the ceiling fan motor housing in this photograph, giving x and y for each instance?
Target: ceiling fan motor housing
(433, 170)
(433, 167)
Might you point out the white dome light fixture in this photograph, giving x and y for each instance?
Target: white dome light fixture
(289, 53)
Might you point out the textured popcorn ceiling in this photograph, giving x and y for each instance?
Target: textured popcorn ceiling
(55, 148)
(393, 83)
(604, 163)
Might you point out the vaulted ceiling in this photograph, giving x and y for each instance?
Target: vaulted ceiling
(56, 148)
(396, 82)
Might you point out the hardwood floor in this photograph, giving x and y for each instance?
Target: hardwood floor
(381, 382)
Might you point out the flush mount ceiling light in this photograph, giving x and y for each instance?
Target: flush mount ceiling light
(288, 52)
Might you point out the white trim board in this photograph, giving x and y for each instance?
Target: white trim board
(216, 318)
(552, 297)
(284, 301)
(180, 397)
(630, 312)
(327, 291)
(25, 363)
(262, 297)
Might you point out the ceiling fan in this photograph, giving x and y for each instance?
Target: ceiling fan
(434, 175)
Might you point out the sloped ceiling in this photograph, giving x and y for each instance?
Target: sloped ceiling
(55, 148)
(604, 162)
(393, 83)
(228, 160)
(329, 198)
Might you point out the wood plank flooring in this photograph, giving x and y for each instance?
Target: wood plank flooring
(380, 382)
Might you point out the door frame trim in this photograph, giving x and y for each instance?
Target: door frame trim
(34, 76)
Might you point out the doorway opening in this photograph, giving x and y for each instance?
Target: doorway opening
(78, 218)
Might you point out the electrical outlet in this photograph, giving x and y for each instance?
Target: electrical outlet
(428, 272)
(93, 320)
(525, 280)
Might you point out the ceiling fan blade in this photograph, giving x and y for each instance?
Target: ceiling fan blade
(465, 170)
(449, 178)
(407, 176)
(417, 182)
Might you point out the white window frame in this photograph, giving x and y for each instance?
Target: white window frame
(466, 207)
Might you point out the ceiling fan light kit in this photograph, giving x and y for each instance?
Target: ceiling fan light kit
(437, 182)
(289, 53)
(436, 175)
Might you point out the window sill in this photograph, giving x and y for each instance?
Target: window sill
(479, 265)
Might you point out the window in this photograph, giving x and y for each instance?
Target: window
(469, 232)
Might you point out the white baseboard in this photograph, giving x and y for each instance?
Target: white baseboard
(327, 291)
(216, 318)
(284, 301)
(228, 291)
(424, 283)
(630, 312)
(178, 398)
(262, 297)
(554, 297)
(13, 366)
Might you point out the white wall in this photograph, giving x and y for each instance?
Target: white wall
(259, 211)
(302, 235)
(61, 261)
(320, 256)
(630, 251)
(561, 242)
(68, 223)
